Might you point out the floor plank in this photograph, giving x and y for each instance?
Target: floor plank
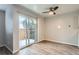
(49, 48)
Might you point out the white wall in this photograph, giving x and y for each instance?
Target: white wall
(9, 28)
(58, 30)
(2, 28)
(22, 10)
(8, 37)
(41, 29)
(78, 31)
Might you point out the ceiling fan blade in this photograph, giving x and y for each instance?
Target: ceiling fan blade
(55, 8)
(46, 12)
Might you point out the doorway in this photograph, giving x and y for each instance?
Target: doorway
(27, 31)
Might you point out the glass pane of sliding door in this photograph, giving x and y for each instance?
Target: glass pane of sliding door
(23, 33)
(27, 31)
(32, 30)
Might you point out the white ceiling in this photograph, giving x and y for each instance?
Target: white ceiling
(63, 8)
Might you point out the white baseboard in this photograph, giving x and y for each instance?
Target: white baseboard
(62, 42)
(8, 48)
(1, 45)
(40, 40)
(16, 51)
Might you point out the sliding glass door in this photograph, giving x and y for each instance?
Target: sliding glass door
(31, 30)
(27, 30)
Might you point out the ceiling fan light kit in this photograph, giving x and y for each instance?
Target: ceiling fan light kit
(51, 10)
(50, 13)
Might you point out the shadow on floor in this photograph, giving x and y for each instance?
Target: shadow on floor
(4, 51)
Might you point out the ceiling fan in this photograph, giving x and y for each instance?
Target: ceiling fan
(51, 10)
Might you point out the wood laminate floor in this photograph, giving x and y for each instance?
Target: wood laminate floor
(49, 48)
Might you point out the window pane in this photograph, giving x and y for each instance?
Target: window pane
(21, 19)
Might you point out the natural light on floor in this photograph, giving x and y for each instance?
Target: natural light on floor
(23, 43)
